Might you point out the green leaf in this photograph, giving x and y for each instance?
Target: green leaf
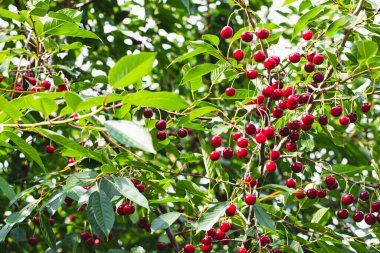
(9, 14)
(263, 218)
(162, 100)
(128, 190)
(211, 216)
(190, 188)
(240, 94)
(54, 26)
(39, 7)
(334, 26)
(332, 58)
(73, 100)
(198, 71)
(103, 213)
(349, 170)
(7, 189)
(4, 38)
(28, 150)
(70, 144)
(201, 111)
(306, 19)
(359, 248)
(8, 109)
(186, 3)
(363, 49)
(168, 200)
(321, 216)
(130, 134)
(296, 246)
(165, 221)
(212, 38)
(47, 232)
(188, 55)
(286, 2)
(43, 105)
(130, 69)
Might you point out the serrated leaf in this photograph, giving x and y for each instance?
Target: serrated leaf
(211, 216)
(263, 218)
(54, 26)
(321, 216)
(212, 38)
(162, 100)
(128, 190)
(363, 49)
(164, 221)
(130, 69)
(47, 232)
(130, 134)
(28, 150)
(102, 211)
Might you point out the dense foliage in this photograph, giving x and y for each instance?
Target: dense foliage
(183, 126)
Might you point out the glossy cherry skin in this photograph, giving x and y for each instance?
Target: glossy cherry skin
(336, 111)
(311, 193)
(225, 226)
(206, 248)
(318, 59)
(228, 153)
(274, 155)
(264, 240)
(216, 141)
(161, 125)
(342, 214)
(250, 129)
(321, 193)
(347, 199)
(294, 57)
(323, 120)
(250, 199)
(241, 153)
(296, 167)
(226, 32)
(318, 77)
(300, 193)
(242, 142)
(230, 92)
(161, 135)
(364, 196)
(246, 36)
(238, 54)
(330, 180)
(211, 232)
(353, 117)
(231, 210)
(366, 107)
(308, 119)
(242, 250)
(252, 74)
(148, 113)
(49, 149)
(262, 34)
(251, 182)
(259, 56)
(370, 219)
(344, 120)
(189, 248)
(291, 146)
(214, 156)
(358, 216)
(220, 235)
(291, 183)
(269, 63)
(260, 138)
(307, 35)
(271, 166)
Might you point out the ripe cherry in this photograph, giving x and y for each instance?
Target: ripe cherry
(51, 221)
(228, 153)
(308, 119)
(264, 240)
(250, 129)
(274, 155)
(318, 59)
(276, 59)
(277, 94)
(182, 132)
(250, 199)
(230, 92)
(251, 182)
(238, 54)
(226, 32)
(344, 120)
(148, 113)
(225, 226)
(342, 214)
(231, 210)
(260, 138)
(307, 35)
(375, 207)
(189, 248)
(300, 193)
(161, 135)
(310, 56)
(364, 196)
(271, 166)
(236, 136)
(259, 56)
(291, 183)
(323, 120)
(294, 136)
(90, 241)
(277, 84)
(246, 36)
(252, 74)
(292, 101)
(207, 240)
(267, 91)
(33, 241)
(291, 146)
(241, 153)
(270, 63)
(321, 193)
(309, 67)
(49, 149)
(330, 180)
(370, 219)
(318, 77)
(305, 127)
(242, 142)
(294, 57)
(206, 248)
(311, 193)
(269, 132)
(306, 98)
(46, 84)
(242, 250)
(294, 124)
(36, 220)
(214, 156)
(277, 112)
(220, 235)
(336, 111)
(366, 107)
(353, 117)
(262, 34)
(161, 125)
(288, 91)
(216, 141)
(85, 235)
(284, 131)
(358, 216)
(296, 167)
(333, 187)
(211, 232)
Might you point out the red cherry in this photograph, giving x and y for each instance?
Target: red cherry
(230, 92)
(246, 36)
(267, 91)
(283, 104)
(292, 101)
(262, 34)
(241, 153)
(207, 240)
(276, 59)
(225, 226)
(161, 125)
(236, 136)
(182, 132)
(366, 107)
(323, 120)
(309, 67)
(277, 85)
(291, 146)
(260, 138)
(97, 242)
(242, 250)
(271, 166)
(214, 155)
(259, 56)
(318, 59)
(49, 149)
(296, 167)
(250, 129)
(228, 153)
(250, 199)
(364, 196)
(189, 248)
(220, 235)
(370, 219)
(307, 35)
(51, 221)
(308, 119)
(358, 216)
(375, 207)
(311, 193)
(294, 57)
(284, 131)
(300, 193)
(242, 142)
(252, 74)
(353, 117)
(211, 232)
(336, 111)
(333, 187)
(129, 209)
(251, 182)
(274, 155)
(294, 124)
(318, 77)
(294, 135)
(321, 193)
(342, 214)
(46, 84)
(90, 241)
(306, 98)
(36, 220)
(264, 240)
(231, 210)
(226, 32)
(33, 241)
(226, 240)
(148, 113)
(85, 235)
(287, 91)
(291, 183)
(310, 56)
(161, 135)
(277, 112)
(206, 248)
(269, 132)
(277, 94)
(270, 63)
(238, 54)
(344, 120)
(216, 141)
